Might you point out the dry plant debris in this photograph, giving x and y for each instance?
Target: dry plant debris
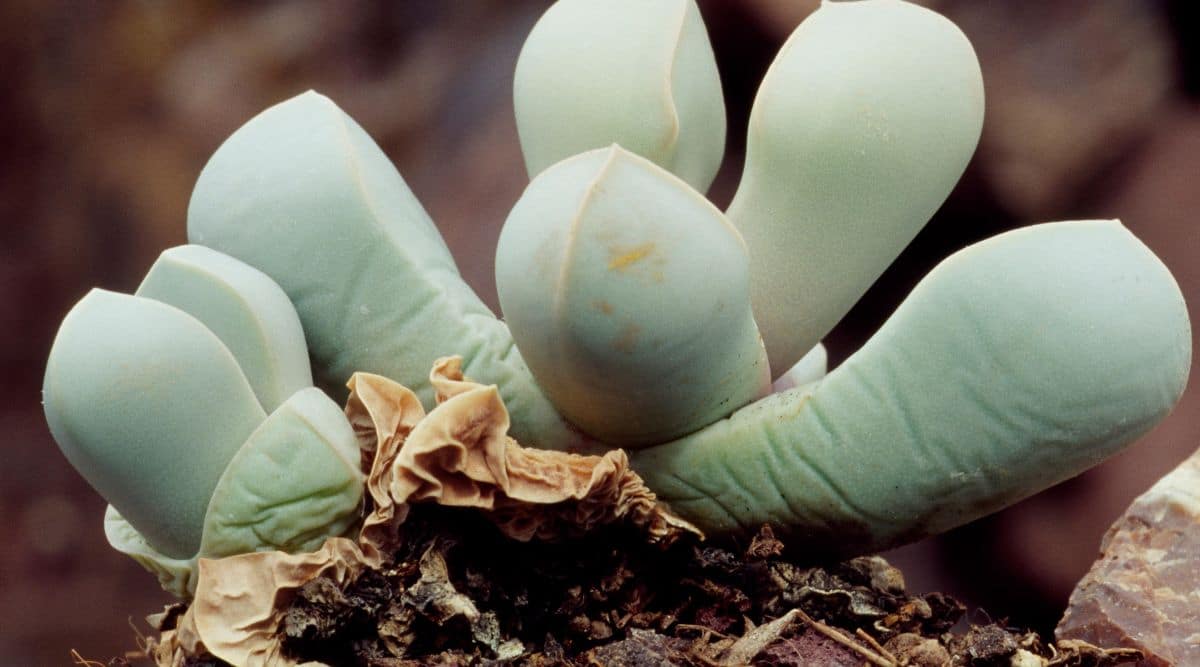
(476, 551)
(457, 591)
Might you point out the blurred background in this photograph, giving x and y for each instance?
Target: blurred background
(110, 109)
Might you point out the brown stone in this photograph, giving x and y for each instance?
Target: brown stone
(1144, 591)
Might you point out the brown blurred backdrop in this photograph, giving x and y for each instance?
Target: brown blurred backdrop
(110, 109)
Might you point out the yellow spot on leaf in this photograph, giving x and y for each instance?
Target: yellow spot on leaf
(622, 260)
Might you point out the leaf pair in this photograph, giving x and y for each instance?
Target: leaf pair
(189, 407)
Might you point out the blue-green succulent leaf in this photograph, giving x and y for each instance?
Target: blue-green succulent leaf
(301, 193)
(628, 294)
(244, 308)
(636, 73)
(1015, 364)
(861, 127)
(149, 406)
(294, 483)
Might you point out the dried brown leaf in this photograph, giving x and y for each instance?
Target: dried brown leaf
(460, 455)
(240, 602)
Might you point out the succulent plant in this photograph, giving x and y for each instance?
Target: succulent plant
(630, 293)
(635, 306)
(189, 407)
(861, 127)
(303, 194)
(641, 74)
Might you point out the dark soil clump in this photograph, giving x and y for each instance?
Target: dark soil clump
(460, 593)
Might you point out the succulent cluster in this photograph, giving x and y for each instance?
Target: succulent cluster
(636, 313)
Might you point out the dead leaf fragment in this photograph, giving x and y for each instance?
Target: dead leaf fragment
(753, 642)
(460, 455)
(434, 596)
(457, 455)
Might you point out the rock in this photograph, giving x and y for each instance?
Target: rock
(1144, 591)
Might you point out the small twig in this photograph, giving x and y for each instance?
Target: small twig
(706, 635)
(756, 639)
(865, 636)
(143, 643)
(704, 630)
(871, 656)
(84, 662)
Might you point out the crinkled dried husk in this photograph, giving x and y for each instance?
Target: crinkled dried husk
(457, 455)
(235, 614)
(462, 456)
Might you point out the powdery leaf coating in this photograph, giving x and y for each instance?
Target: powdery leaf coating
(302, 193)
(294, 482)
(861, 127)
(149, 405)
(634, 72)
(1015, 364)
(244, 308)
(628, 294)
(147, 395)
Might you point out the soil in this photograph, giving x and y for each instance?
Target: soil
(460, 593)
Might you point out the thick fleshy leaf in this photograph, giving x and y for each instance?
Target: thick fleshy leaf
(294, 483)
(177, 576)
(1015, 364)
(244, 308)
(149, 406)
(301, 193)
(628, 294)
(862, 126)
(637, 73)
